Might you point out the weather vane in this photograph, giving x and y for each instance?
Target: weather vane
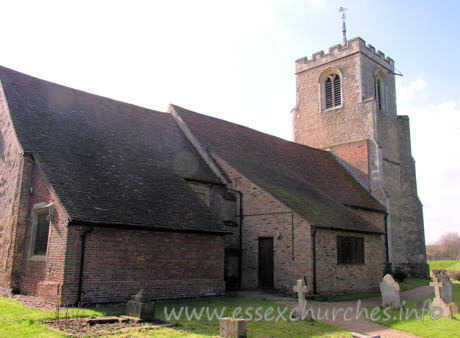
(344, 29)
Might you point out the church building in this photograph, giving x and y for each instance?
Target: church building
(100, 198)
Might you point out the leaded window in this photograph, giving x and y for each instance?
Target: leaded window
(350, 250)
(41, 235)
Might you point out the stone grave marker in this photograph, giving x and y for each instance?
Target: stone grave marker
(390, 292)
(438, 302)
(234, 328)
(446, 291)
(141, 307)
(301, 290)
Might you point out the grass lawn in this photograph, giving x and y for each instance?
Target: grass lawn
(448, 265)
(442, 327)
(408, 284)
(17, 320)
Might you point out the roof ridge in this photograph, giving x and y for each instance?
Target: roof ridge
(47, 82)
(252, 129)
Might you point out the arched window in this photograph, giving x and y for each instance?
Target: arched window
(333, 91)
(378, 87)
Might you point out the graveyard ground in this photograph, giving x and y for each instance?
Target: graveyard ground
(17, 320)
(442, 327)
(407, 284)
(444, 264)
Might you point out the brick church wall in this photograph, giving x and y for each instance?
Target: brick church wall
(43, 276)
(258, 201)
(11, 167)
(118, 263)
(333, 278)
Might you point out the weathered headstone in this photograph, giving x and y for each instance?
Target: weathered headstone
(438, 302)
(446, 291)
(141, 307)
(229, 327)
(301, 290)
(390, 292)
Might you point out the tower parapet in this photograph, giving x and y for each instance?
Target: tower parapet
(353, 46)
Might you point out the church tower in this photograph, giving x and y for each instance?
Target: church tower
(346, 103)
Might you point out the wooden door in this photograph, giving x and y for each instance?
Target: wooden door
(266, 262)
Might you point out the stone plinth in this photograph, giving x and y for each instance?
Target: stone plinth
(230, 327)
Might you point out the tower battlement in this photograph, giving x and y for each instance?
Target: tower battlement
(353, 46)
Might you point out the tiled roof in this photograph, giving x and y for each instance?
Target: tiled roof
(109, 162)
(308, 180)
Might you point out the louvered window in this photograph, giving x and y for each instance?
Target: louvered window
(333, 91)
(378, 93)
(41, 235)
(350, 250)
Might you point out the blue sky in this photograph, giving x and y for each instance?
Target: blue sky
(235, 60)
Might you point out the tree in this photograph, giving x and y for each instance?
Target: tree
(447, 247)
(450, 245)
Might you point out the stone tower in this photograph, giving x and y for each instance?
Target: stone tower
(346, 103)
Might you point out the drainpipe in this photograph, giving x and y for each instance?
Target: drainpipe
(240, 258)
(82, 263)
(313, 239)
(386, 240)
(240, 244)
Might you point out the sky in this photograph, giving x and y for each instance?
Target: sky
(235, 60)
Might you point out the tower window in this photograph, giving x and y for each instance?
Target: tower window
(333, 91)
(378, 87)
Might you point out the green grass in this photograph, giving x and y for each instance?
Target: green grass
(442, 327)
(448, 265)
(17, 320)
(408, 284)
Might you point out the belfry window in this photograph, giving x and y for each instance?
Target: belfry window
(333, 91)
(378, 87)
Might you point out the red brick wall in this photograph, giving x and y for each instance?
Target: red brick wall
(258, 201)
(333, 278)
(14, 178)
(118, 263)
(355, 156)
(44, 277)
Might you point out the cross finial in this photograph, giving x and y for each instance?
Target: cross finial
(344, 29)
(436, 284)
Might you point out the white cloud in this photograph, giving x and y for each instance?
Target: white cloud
(317, 3)
(435, 133)
(407, 91)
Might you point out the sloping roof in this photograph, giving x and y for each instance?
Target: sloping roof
(308, 180)
(109, 162)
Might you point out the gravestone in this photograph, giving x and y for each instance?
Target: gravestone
(390, 292)
(301, 290)
(235, 328)
(446, 291)
(141, 307)
(438, 302)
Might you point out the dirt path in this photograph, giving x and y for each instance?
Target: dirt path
(360, 325)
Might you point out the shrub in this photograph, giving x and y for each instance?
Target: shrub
(453, 274)
(399, 275)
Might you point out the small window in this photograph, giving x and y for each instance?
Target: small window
(378, 87)
(41, 231)
(333, 91)
(350, 250)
